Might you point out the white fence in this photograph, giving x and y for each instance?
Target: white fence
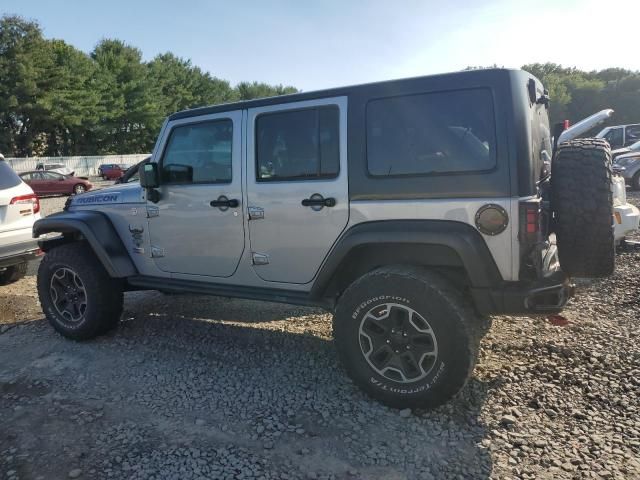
(81, 165)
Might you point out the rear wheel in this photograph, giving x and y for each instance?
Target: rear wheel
(406, 336)
(77, 295)
(582, 202)
(13, 273)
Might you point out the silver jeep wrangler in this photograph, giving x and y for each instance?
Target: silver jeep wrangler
(411, 209)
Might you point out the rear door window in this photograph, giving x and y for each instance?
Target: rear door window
(298, 145)
(614, 137)
(632, 134)
(8, 178)
(434, 133)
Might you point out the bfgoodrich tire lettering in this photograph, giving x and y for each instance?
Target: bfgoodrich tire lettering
(442, 312)
(72, 269)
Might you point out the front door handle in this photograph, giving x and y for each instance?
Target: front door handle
(224, 203)
(317, 200)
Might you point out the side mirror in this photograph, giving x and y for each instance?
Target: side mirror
(149, 175)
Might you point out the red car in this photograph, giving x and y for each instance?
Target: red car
(50, 183)
(113, 172)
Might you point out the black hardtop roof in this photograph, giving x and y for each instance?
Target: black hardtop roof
(482, 75)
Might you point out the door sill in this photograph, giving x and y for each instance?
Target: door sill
(173, 285)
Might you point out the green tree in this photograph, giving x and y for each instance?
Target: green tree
(70, 100)
(250, 90)
(128, 106)
(23, 66)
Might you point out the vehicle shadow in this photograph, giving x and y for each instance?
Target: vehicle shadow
(253, 377)
(285, 356)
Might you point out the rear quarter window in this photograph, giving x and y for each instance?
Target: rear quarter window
(8, 178)
(434, 133)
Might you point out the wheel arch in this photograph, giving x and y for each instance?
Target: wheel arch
(454, 248)
(97, 230)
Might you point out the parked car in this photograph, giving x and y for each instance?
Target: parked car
(628, 167)
(50, 183)
(103, 167)
(132, 173)
(405, 208)
(634, 149)
(583, 126)
(626, 216)
(19, 209)
(60, 168)
(620, 136)
(113, 172)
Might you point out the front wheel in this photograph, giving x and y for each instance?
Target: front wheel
(406, 336)
(78, 189)
(78, 297)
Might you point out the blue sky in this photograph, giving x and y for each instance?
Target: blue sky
(327, 43)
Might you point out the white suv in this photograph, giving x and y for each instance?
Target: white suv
(19, 209)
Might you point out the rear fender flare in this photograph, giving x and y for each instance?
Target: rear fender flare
(430, 243)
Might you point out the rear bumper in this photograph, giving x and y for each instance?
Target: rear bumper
(547, 295)
(16, 253)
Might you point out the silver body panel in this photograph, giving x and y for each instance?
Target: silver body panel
(284, 244)
(458, 210)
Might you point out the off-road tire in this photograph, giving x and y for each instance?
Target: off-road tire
(104, 297)
(635, 182)
(582, 203)
(13, 273)
(450, 317)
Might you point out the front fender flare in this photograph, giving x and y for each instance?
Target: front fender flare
(97, 230)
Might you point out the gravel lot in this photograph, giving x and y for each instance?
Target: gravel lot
(194, 387)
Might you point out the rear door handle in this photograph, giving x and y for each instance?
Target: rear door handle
(224, 203)
(318, 201)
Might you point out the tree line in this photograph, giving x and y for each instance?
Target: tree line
(576, 94)
(58, 100)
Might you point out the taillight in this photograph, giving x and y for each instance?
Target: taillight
(530, 221)
(566, 124)
(31, 199)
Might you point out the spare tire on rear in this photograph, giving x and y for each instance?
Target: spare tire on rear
(582, 203)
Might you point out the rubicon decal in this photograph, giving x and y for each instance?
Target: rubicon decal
(106, 198)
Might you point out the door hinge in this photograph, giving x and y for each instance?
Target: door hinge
(256, 213)
(157, 252)
(152, 212)
(260, 259)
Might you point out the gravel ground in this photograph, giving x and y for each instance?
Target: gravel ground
(195, 387)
